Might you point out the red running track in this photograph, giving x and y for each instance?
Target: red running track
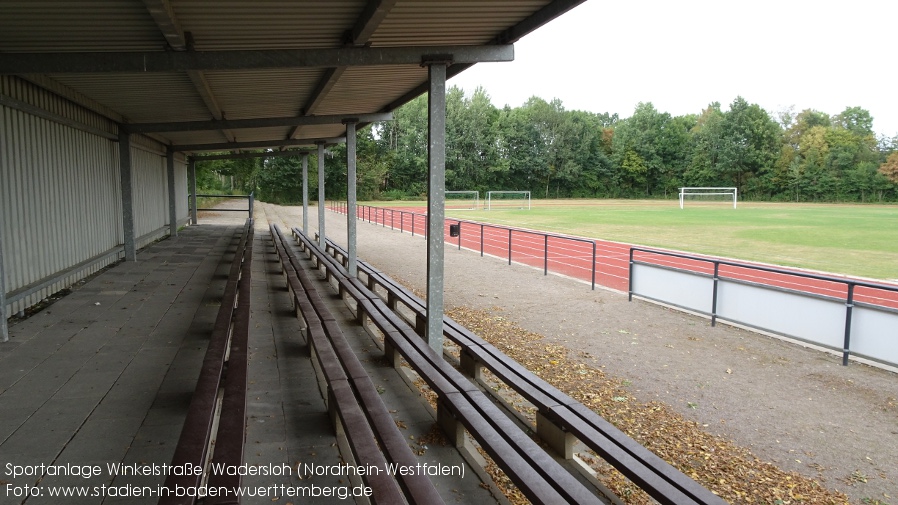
(609, 262)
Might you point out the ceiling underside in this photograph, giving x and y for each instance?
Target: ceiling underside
(53, 37)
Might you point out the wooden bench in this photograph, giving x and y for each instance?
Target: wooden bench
(371, 433)
(560, 419)
(219, 373)
(462, 404)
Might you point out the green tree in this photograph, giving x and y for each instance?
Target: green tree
(750, 142)
(705, 145)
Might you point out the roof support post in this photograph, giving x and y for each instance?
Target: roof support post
(172, 206)
(124, 148)
(4, 315)
(436, 206)
(321, 241)
(305, 193)
(351, 194)
(191, 180)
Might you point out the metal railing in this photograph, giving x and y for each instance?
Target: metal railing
(804, 297)
(572, 256)
(250, 198)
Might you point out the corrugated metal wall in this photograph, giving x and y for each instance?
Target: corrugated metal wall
(60, 196)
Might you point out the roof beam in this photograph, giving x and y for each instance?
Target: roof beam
(271, 122)
(261, 144)
(184, 61)
(536, 20)
(168, 24)
(508, 36)
(373, 15)
(240, 156)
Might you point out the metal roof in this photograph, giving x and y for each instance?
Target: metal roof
(206, 60)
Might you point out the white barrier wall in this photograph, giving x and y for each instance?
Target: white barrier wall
(874, 333)
(813, 318)
(684, 289)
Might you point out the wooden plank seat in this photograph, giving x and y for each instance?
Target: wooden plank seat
(539, 476)
(558, 413)
(372, 435)
(230, 331)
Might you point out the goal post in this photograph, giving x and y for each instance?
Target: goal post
(462, 200)
(708, 191)
(507, 199)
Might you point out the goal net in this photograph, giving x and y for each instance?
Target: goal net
(709, 195)
(507, 200)
(462, 200)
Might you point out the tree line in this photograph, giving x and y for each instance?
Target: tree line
(556, 153)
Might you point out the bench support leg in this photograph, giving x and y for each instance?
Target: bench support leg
(319, 374)
(420, 325)
(470, 366)
(391, 301)
(454, 430)
(392, 355)
(562, 442)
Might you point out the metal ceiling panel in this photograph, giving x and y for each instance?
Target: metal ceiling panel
(67, 26)
(218, 26)
(142, 97)
(41, 26)
(451, 22)
(264, 93)
(371, 88)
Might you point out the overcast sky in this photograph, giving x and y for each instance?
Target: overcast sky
(608, 56)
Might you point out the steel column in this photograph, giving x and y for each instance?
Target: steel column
(305, 193)
(321, 241)
(351, 236)
(436, 205)
(4, 315)
(191, 175)
(172, 207)
(124, 147)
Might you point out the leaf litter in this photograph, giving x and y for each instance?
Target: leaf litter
(727, 469)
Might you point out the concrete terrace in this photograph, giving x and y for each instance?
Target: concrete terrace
(105, 376)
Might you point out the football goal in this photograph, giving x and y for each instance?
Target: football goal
(709, 194)
(463, 200)
(507, 200)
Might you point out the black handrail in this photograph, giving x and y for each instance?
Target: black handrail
(366, 211)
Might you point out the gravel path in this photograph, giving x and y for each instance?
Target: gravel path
(790, 405)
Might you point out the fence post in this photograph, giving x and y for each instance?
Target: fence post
(714, 294)
(546, 255)
(849, 304)
(630, 278)
(252, 201)
(481, 240)
(413, 224)
(593, 265)
(509, 246)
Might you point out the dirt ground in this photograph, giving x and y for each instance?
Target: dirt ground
(790, 405)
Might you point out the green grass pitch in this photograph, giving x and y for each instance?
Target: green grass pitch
(859, 240)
